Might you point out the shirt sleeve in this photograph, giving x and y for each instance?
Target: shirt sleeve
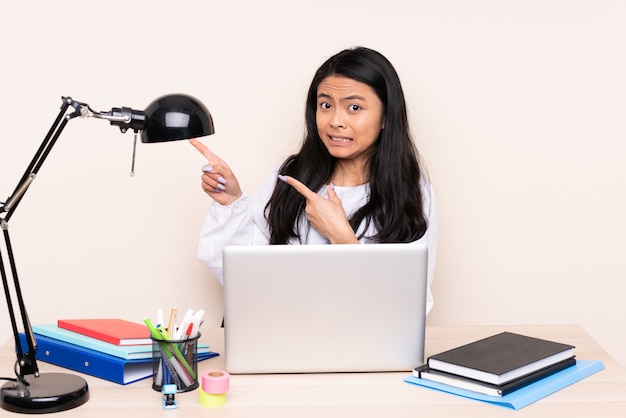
(240, 223)
(430, 239)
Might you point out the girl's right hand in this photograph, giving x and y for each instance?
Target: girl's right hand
(218, 181)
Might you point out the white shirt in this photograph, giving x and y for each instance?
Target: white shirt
(243, 223)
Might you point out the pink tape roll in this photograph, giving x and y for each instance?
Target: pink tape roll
(215, 382)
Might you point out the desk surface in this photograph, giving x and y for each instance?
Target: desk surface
(358, 394)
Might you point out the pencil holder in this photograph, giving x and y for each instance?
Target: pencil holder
(175, 362)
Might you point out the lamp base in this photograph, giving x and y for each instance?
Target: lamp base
(50, 392)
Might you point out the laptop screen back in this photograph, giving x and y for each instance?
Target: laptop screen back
(324, 308)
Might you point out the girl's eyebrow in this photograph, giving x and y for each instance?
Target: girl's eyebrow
(352, 97)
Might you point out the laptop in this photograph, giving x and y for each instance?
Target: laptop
(324, 308)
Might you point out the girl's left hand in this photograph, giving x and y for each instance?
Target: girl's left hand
(327, 216)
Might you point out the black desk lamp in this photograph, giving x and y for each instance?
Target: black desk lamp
(168, 118)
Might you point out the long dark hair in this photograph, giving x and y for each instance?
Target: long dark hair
(395, 202)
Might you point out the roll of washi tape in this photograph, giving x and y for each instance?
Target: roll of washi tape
(215, 382)
(209, 399)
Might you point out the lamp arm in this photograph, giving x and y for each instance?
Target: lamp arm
(26, 362)
(33, 168)
(125, 118)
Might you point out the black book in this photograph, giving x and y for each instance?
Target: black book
(501, 358)
(425, 372)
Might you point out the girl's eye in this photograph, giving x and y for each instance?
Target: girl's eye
(354, 107)
(325, 105)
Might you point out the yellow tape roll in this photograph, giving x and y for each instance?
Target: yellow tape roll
(207, 399)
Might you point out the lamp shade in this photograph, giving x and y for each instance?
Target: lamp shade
(176, 116)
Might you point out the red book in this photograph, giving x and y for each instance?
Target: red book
(114, 331)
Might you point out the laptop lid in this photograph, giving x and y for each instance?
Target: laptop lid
(324, 308)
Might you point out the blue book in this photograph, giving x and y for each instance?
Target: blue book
(95, 363)
(526, 395)
(127, 352)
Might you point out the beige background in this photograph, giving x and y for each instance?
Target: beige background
(517, 106)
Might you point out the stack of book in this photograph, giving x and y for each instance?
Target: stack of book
(113, 349)
(503, 366)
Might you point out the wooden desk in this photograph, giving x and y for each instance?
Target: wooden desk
(359, 394)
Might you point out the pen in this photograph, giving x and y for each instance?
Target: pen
(180, 333)
(189, 330)
(170, 324)
(160, 319)
(196, 321)
(153, 330)
(163, 332)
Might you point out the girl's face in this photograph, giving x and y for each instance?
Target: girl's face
(349, 118)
